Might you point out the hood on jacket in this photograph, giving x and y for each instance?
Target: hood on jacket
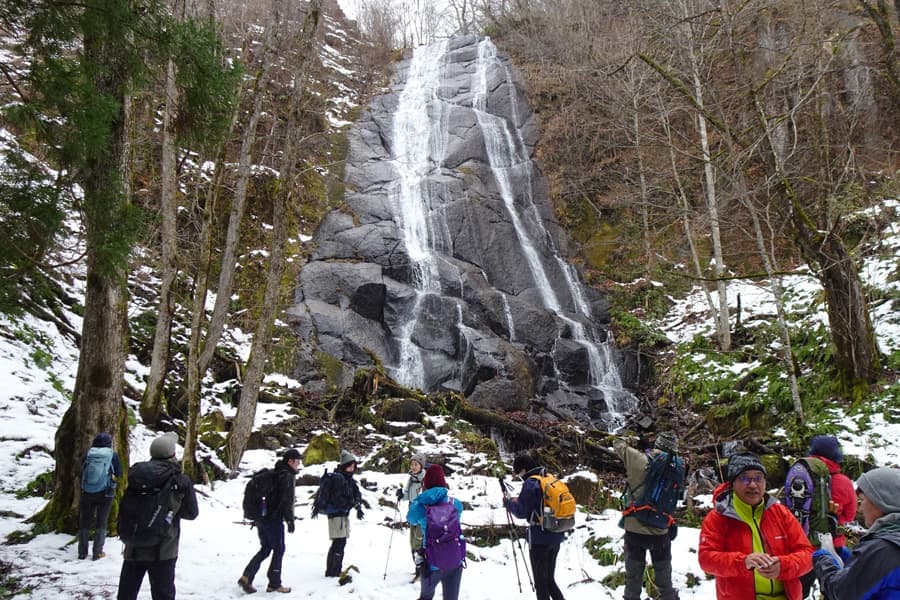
(433, 495)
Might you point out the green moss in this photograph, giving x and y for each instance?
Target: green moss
(321, 449)
(388, 459)
(598, 548)
(330, 367)
(39, 487)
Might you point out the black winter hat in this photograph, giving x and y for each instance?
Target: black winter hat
(102, 440)
(292, 454)
(523, 462)
(744, 461)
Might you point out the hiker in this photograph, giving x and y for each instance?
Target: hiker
(750, 542)
(843, 501)
(443, 545)
(100, 471)
(279, 509)
(410, 492)
(652, 528)
(872, 569)
(337, 495)
(157, 560)
(543, 546)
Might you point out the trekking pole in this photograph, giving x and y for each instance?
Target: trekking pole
(516, 541)
(391, 540)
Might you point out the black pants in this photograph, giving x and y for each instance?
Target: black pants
(92, 505)
(271, 540)
(543, 567)
(636, 547)
(162, 579)
(334, 562)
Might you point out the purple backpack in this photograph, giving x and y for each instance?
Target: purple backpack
(445, 548)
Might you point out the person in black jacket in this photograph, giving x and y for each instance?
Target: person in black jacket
(159, 561)
(543, 546)
(271, 526)
(97, 502)
(337, 495)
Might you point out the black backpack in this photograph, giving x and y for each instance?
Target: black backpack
(146, 512)
(260, 495)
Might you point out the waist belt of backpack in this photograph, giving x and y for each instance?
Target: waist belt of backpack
(631, 509)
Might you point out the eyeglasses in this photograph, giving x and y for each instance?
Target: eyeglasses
(757, 479)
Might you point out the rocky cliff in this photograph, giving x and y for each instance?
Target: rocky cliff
(444, 263)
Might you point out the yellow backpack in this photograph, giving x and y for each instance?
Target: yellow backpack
(559, 504)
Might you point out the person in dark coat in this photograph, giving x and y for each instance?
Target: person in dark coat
(159, 561)
(271, 526)
(872, 570)
(543, 546)
(338, 494)
(94, 506)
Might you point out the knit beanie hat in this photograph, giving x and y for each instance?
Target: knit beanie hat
(292, 454)
(434, 477)
(523, 462)
(419, 458)
(164, 445)
(102, 440)
(826, 446)
(667, 441)
(346, 459)
(744, 461)
(882, 487)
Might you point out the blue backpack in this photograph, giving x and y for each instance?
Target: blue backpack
(659, 493)
(445, 547)
(96, 475)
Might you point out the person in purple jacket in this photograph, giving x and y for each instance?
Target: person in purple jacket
(543, 546)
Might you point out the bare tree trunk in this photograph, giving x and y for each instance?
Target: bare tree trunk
(686, 211)
(198, 309)
(723, 320)
(236, 217)
(645, 200)
(259, 351)
(152, 402)
(787, 356)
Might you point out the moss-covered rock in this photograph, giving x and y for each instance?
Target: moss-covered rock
(321, 449)
(390, 458)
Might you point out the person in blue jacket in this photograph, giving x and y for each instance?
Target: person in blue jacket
(543, 546)
(872, 570)
(95, 504)
(435, 491)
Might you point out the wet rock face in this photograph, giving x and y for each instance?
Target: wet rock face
(444, 262)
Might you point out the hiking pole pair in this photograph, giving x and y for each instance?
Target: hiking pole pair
(516, 540)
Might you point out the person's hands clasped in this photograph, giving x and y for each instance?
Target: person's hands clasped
(768, 566)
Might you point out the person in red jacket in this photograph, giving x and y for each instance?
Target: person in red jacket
(750, 542)
(843, 495)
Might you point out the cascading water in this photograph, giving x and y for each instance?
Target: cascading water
(441, 111)
(507, 156)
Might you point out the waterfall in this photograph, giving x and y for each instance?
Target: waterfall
(419, 142)
(417, 152)
(507, 155)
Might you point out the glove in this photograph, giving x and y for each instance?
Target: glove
(290, 526)
(365, 503)
(821, 554)
(399, 494)
(359, 513)
(315, 513)
(673, 532)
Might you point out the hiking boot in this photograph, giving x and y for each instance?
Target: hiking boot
(82, 556)
(246, 585)
(280, 589)
(99, 556)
